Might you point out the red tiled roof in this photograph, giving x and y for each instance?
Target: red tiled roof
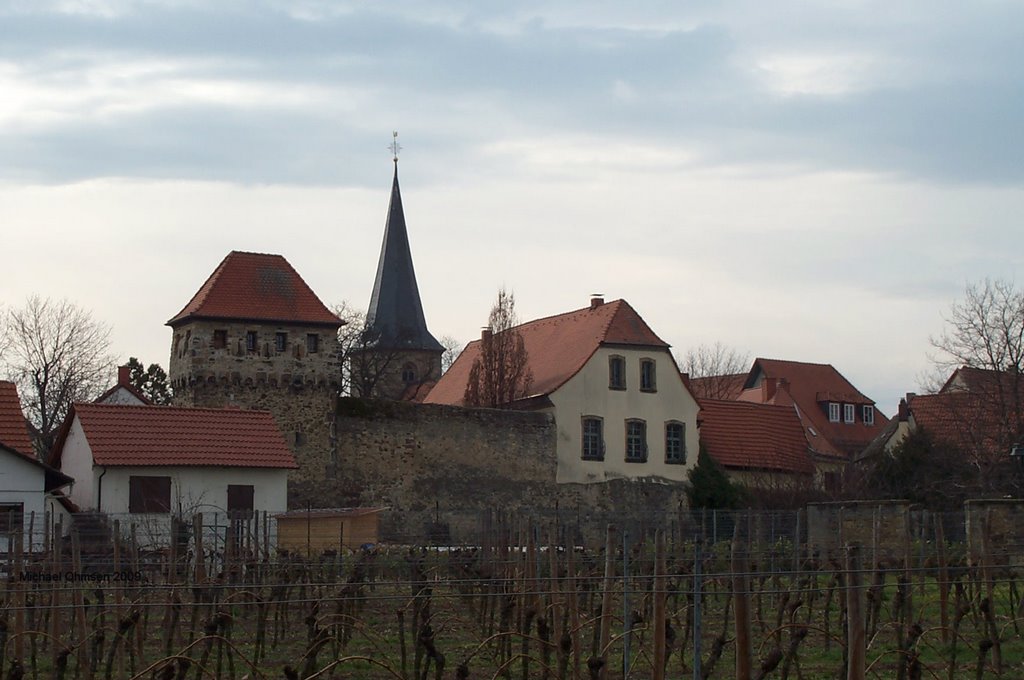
(13, 427)
(754, 436)
(810, 386)
(256, 287)
(968, 420)
(558, 347)
(163, 435)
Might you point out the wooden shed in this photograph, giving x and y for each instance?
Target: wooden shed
(319, 529)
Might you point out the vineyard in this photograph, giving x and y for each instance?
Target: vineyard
(523, 601)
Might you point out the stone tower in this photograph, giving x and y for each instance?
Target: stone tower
(401, 358)
(256, 336)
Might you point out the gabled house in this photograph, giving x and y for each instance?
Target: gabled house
(838, 420)
(978, 413)
(621, 407)
(27, 485)
(161, 460)
(123, 392)
(758, 445)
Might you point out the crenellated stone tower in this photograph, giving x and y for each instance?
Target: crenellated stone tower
(256, 336)
(401, 358)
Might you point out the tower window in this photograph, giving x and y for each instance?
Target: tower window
(280, 341)
(616, 373)
(647, 376)
(409, 373)
(220, 339)
(251, 341)
(312, 343)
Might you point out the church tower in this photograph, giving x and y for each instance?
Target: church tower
(400, 358)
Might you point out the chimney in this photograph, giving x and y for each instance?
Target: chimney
(122, 376)
(596, 300)
(486, 333)
(904, 410)
(783, 385)
(768, 388)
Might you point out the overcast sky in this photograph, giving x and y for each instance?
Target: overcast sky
(801, 181)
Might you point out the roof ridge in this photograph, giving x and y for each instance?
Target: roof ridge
(794, 361)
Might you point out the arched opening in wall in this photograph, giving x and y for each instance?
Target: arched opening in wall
(409, 373)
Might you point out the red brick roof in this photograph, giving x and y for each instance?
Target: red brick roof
(810, 387)
(162, 435)
(970, 421)
(13, 428)
(727, 386)
(256, 287)
(754, 436)
(558, 347)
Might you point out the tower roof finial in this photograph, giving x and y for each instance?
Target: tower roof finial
(395, 147)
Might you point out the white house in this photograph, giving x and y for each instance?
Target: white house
(123, 392)
(26, 484)
(154, 461)
(621, 407)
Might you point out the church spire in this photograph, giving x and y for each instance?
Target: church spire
(395, 319)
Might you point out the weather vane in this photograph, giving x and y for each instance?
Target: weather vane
(395, 147)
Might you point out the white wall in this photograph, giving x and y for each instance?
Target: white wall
(22, 482)
(588, 394)
(76, 462)
(199, 489)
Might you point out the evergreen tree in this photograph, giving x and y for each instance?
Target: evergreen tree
(152, 381)
(710, 487)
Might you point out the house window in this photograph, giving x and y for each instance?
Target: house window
(149, 494)
(675, 443)
(11, 517)
(220, 339)
(848, 411)
(409, 373)
(593, 438)
(240, 500)
(869, 414)
(833, 412)
(647, 376)
(617, 373)
(280, 341)
(636, 441)
(312, 343)
(251, 340)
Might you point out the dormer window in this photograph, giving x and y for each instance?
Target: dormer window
(833, 412)
(647, 376)
(868, 414)
(617, 372)
(848, 412)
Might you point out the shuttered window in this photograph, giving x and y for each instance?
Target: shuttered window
(149, 494)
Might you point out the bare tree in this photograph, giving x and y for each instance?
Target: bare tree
(713, 370)
(58, 354)
(984, 338)
(452, 349)
(501, 373)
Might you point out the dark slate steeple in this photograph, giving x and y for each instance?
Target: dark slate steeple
(395, 319)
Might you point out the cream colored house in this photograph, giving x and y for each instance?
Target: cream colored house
(620, 404)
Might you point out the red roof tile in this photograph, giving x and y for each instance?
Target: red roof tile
(558, 347)
(256, 287)
(971, 421)
(718, 386)
(162, 435)
(13, 427)
(754, 436)
(810, 387)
